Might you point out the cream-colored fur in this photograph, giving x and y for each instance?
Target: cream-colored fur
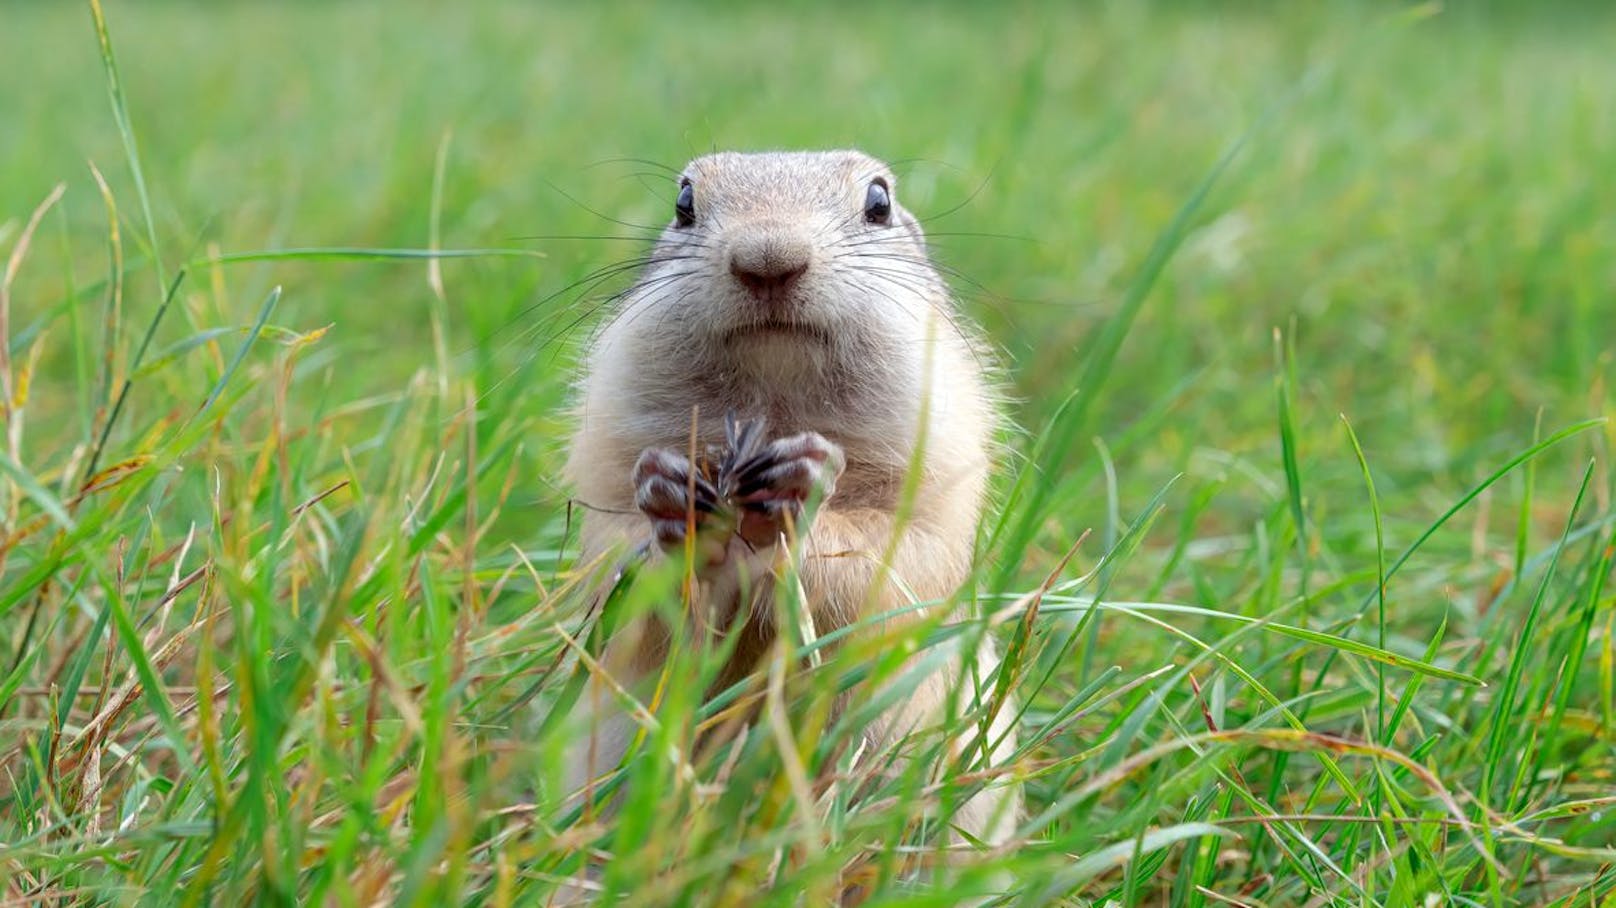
(875, 361)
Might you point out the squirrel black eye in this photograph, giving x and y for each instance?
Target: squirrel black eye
(878, 203)
(684, 208)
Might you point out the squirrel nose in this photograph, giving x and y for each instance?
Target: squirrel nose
(767, 265)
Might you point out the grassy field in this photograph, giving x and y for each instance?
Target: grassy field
(1309, 320)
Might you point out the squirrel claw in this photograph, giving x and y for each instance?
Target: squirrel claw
(663, 481)
(772, 486)
(758, 490)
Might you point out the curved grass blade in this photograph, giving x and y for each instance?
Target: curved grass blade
(241, 352)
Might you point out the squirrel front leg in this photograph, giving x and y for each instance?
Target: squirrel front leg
(732, 550)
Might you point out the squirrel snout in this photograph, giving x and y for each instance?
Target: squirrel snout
(770, 263)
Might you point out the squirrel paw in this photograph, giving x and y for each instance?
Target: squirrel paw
(770, 487)
(662, 486)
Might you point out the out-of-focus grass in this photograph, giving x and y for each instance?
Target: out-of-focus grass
(359, 550)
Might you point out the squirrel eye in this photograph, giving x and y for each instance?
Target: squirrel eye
(878, 203)
(684, 208)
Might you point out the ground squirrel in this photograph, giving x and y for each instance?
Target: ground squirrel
(793, 291)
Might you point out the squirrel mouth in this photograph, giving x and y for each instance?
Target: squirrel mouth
(778, 328)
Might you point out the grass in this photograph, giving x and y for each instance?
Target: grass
(1307, 318)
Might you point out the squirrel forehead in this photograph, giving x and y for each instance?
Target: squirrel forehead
(804, 177)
